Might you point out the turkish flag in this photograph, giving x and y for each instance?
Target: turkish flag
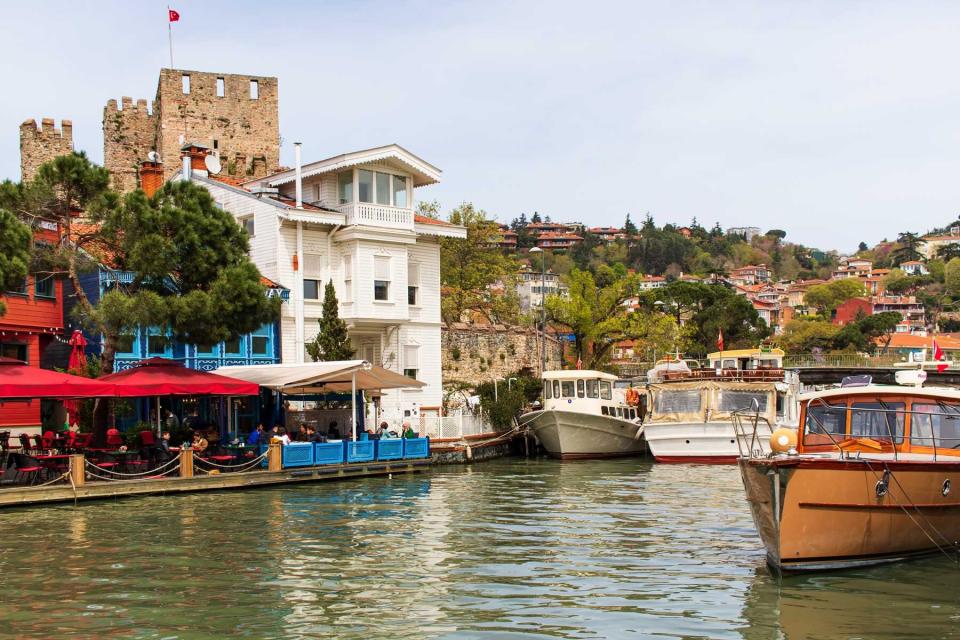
(720, 339)
(174, 16)
(939, 356)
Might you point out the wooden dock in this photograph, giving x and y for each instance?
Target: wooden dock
(27, 496)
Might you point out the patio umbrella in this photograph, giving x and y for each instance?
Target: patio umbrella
(77, 365)
(19, 380)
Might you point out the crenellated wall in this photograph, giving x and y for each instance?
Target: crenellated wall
(129, 134)
(40, 145)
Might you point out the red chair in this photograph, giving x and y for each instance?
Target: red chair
(26, 466)
(114, 439)
(82, 440)
(147, 439)
(38, 440)
(46, 442)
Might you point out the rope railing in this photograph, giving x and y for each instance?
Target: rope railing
(140, 474)
(199, 462)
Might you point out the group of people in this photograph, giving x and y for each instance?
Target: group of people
(308, 433)
(384, 431)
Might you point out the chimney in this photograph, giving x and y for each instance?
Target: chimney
(193, 156)
(151, 177)
(299, 169)
(185, 172)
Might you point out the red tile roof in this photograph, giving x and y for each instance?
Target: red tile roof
(428, 220)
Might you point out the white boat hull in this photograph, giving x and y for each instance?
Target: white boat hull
(570, 435)
(704, 442)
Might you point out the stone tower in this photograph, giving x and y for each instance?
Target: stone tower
(38, 146)
(235, 116)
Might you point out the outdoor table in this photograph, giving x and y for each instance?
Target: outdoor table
(124, 457)
(49, 461)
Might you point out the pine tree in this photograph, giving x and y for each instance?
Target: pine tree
(332, 343)
(629, 227)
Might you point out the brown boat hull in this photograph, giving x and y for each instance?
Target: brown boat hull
(816, 514)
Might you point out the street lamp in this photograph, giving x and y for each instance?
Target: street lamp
(543, 307)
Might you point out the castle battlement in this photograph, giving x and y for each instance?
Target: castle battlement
(42, 144)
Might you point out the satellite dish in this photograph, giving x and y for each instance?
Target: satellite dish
(153, 156)
(213, 164)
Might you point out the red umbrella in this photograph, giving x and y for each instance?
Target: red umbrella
(77, 365)
(162, 377)
(18, 380)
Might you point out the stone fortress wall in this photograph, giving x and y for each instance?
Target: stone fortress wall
(42, 144)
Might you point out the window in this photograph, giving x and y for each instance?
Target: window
(233, 346)
(249, 226)
(254, 89)
(619, 412)
(126, 343)
(207, 349)
(677, 401)
(260, 345)
(399, 192)
(822, 420)
(413, 283)
(185, 83)
(556, 388)
(311, 289)
(383, 188)
(604, 411)
(879, 421)
(547, 390)
(741, 400)
(592, 388)
(20, 288)
(345, 186)
(348, 278)
(411, 360)
(14, 350)
(157, 345)
(633, 414)
(43, 287)
(933, 425)
(605, 390)
(220, 87)
(567, 387)
(364, 185)
(580, 390)
(381, 278)
(216, 145)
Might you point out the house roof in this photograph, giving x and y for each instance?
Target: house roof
(423, 172)
(555, 235)
(913, 341)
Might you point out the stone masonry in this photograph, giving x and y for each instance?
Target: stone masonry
(477, 353)
(38, 146)
(235, 116)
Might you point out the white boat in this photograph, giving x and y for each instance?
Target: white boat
(584, 416)
(691, 418)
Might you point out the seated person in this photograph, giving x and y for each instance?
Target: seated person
(256, 436)
(333, 431)
(213, 435)
(408, 430)
(313, 436)
(199, 443)
(383, 428)
(280, 437)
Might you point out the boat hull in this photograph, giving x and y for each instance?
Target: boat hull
(821, 514)
(700, 443)
(571, 436)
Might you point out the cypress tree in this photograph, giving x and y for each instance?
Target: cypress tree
(332, 343)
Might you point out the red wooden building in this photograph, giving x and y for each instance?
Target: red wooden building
(31, 325)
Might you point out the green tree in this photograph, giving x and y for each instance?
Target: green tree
(949, 251)
(332, 341)
(428, 209)
(803, 336)
(629, 228)
(779, 234)
(15, 243)
(908, 249)
(827, 297)
(899, 282)
(474, 274)
(862, 247)
(724, 310)
(951, 277)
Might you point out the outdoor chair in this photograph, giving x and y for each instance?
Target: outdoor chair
(114, 439)
(147, 439)
(46, 441)
(27, 468)
(38, 440)
(25, 445)
(82, 441)
(105, 461)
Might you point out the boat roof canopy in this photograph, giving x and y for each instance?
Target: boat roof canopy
(884, 389)
(578, 374)
(747, 353)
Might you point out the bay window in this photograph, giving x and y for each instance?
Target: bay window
(345, 187)
(381, 278)
(364, 185)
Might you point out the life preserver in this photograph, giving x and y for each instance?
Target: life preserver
(632, 396)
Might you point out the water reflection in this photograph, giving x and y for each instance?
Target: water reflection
(510, 549)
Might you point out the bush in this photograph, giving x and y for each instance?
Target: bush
(455, 353)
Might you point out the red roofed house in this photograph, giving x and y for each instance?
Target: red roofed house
(608, 234)
(557, 241)
(852, 310)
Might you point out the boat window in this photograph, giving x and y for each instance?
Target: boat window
(567, 387)
(547, 389)
(619, 412)
(604, 411)
(592, 388)
(740, 400)
(633, 414)
(605, 392)
(935, 425)
(580, 391)
(877, 420)
(687, 401)
(729, 364)
(824, 419)
(556, 388)
(781, 403)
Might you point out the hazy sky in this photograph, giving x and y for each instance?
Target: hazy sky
(837, 121)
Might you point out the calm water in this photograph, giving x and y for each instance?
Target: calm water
(507, 549)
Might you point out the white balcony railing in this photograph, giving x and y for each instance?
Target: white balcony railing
(377, 215)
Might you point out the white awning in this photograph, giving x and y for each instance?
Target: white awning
(320, 377)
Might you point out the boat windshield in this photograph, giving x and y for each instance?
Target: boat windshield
(685, 401)
(878, 421)
(824, 421)
(935, 425)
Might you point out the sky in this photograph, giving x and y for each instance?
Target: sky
(836, 121)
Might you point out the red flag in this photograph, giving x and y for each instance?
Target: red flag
(579, 363)
(939, 356)
(174, 16)
(720, 339)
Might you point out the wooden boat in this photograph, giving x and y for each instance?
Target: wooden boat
(866, 478)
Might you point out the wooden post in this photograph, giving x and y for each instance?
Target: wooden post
(274, 457)
(77, 470)
(186, 463)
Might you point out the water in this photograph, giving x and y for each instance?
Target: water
(506, 549)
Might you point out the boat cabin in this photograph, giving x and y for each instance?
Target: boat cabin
(584, 391)
(760, 359)
(913, 423)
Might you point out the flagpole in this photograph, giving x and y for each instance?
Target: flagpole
(170, 35)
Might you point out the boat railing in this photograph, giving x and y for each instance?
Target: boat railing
(724, 375)
(746, 426)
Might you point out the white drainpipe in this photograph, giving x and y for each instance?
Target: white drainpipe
(299, 169)
(185, 173)
(298, 295)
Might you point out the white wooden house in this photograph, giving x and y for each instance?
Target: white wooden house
(350, 219)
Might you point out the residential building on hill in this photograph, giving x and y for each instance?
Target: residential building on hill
(558, 241)
(929, 245)
(853, 268)
(608, 234)
(749, 233)
(750, 274)
(919, 348)
(350, 219)
(914, 268)
(533, 286)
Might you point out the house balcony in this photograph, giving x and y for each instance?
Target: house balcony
(377, 215)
